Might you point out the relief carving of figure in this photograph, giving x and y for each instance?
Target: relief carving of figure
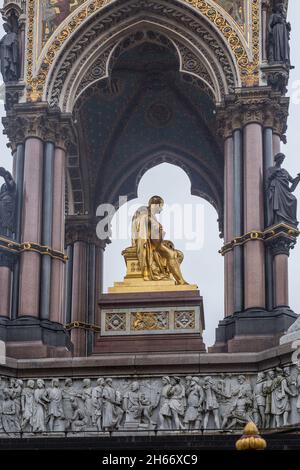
(157, 257)
(280, 393)
(164, 413)
(27, 406)
(7, 203)
(79, 420)
(112, 412)
(55, 408)
(260, 400)
(87, 399)
(195, 399)
(97, 397)
(10, 421)
(41, 401)
(211, 402)
(177, 403)
(68, 393)
(132, 406)
(281, 203)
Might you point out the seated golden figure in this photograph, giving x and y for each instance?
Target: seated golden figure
(153, 263)
(157, 257)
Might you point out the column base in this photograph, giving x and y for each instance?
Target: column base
(253, 330)
(29, 337)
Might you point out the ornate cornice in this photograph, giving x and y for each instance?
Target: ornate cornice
(40, 121)
(253, 105)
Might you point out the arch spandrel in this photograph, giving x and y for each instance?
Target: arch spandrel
(242, 45)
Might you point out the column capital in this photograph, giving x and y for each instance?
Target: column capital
(282, 244)
(253, 105)
(83, 229)
(38, 120)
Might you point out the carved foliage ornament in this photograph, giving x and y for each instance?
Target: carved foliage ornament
(249, 69)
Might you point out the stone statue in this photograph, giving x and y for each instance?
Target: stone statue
(279, 36)
(7, 203)
(55, 408)
(281, 203)
(9, 55)
(195, 399)
(27, 405)
(157, 257)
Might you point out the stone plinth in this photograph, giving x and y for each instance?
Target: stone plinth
(151, 322)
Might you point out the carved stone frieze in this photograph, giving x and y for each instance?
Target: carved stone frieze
(222, 402)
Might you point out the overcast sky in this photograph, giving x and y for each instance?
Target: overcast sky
(203, 266)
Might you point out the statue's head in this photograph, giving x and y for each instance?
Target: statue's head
(7, 28)
(156, 203)
(279, 8)
(279, 158)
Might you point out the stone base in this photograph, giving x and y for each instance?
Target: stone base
(252, 331)
(29, 337)
(150, 323)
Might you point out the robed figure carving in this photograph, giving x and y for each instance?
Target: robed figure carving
(281, 202)
(7, 204)
(157, 257)
(279, 36)
(9, 55)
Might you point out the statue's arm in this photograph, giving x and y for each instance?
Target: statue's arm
(295, 182)
(270, 25)
(11, 185)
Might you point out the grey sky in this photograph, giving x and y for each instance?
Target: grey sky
(205, 266)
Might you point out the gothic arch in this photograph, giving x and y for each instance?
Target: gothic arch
(96, 38)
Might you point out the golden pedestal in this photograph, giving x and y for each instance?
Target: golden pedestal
(134, 281)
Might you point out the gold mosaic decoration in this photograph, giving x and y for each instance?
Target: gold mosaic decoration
(248, 70)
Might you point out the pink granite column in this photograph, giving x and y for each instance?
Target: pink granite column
(58, 238)
(79, 296)
(228, 227)
(5, 291)
(31, 227)
(281, 280)
(276, 144)
(254, 216)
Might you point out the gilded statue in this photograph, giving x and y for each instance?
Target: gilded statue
(157, 257)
